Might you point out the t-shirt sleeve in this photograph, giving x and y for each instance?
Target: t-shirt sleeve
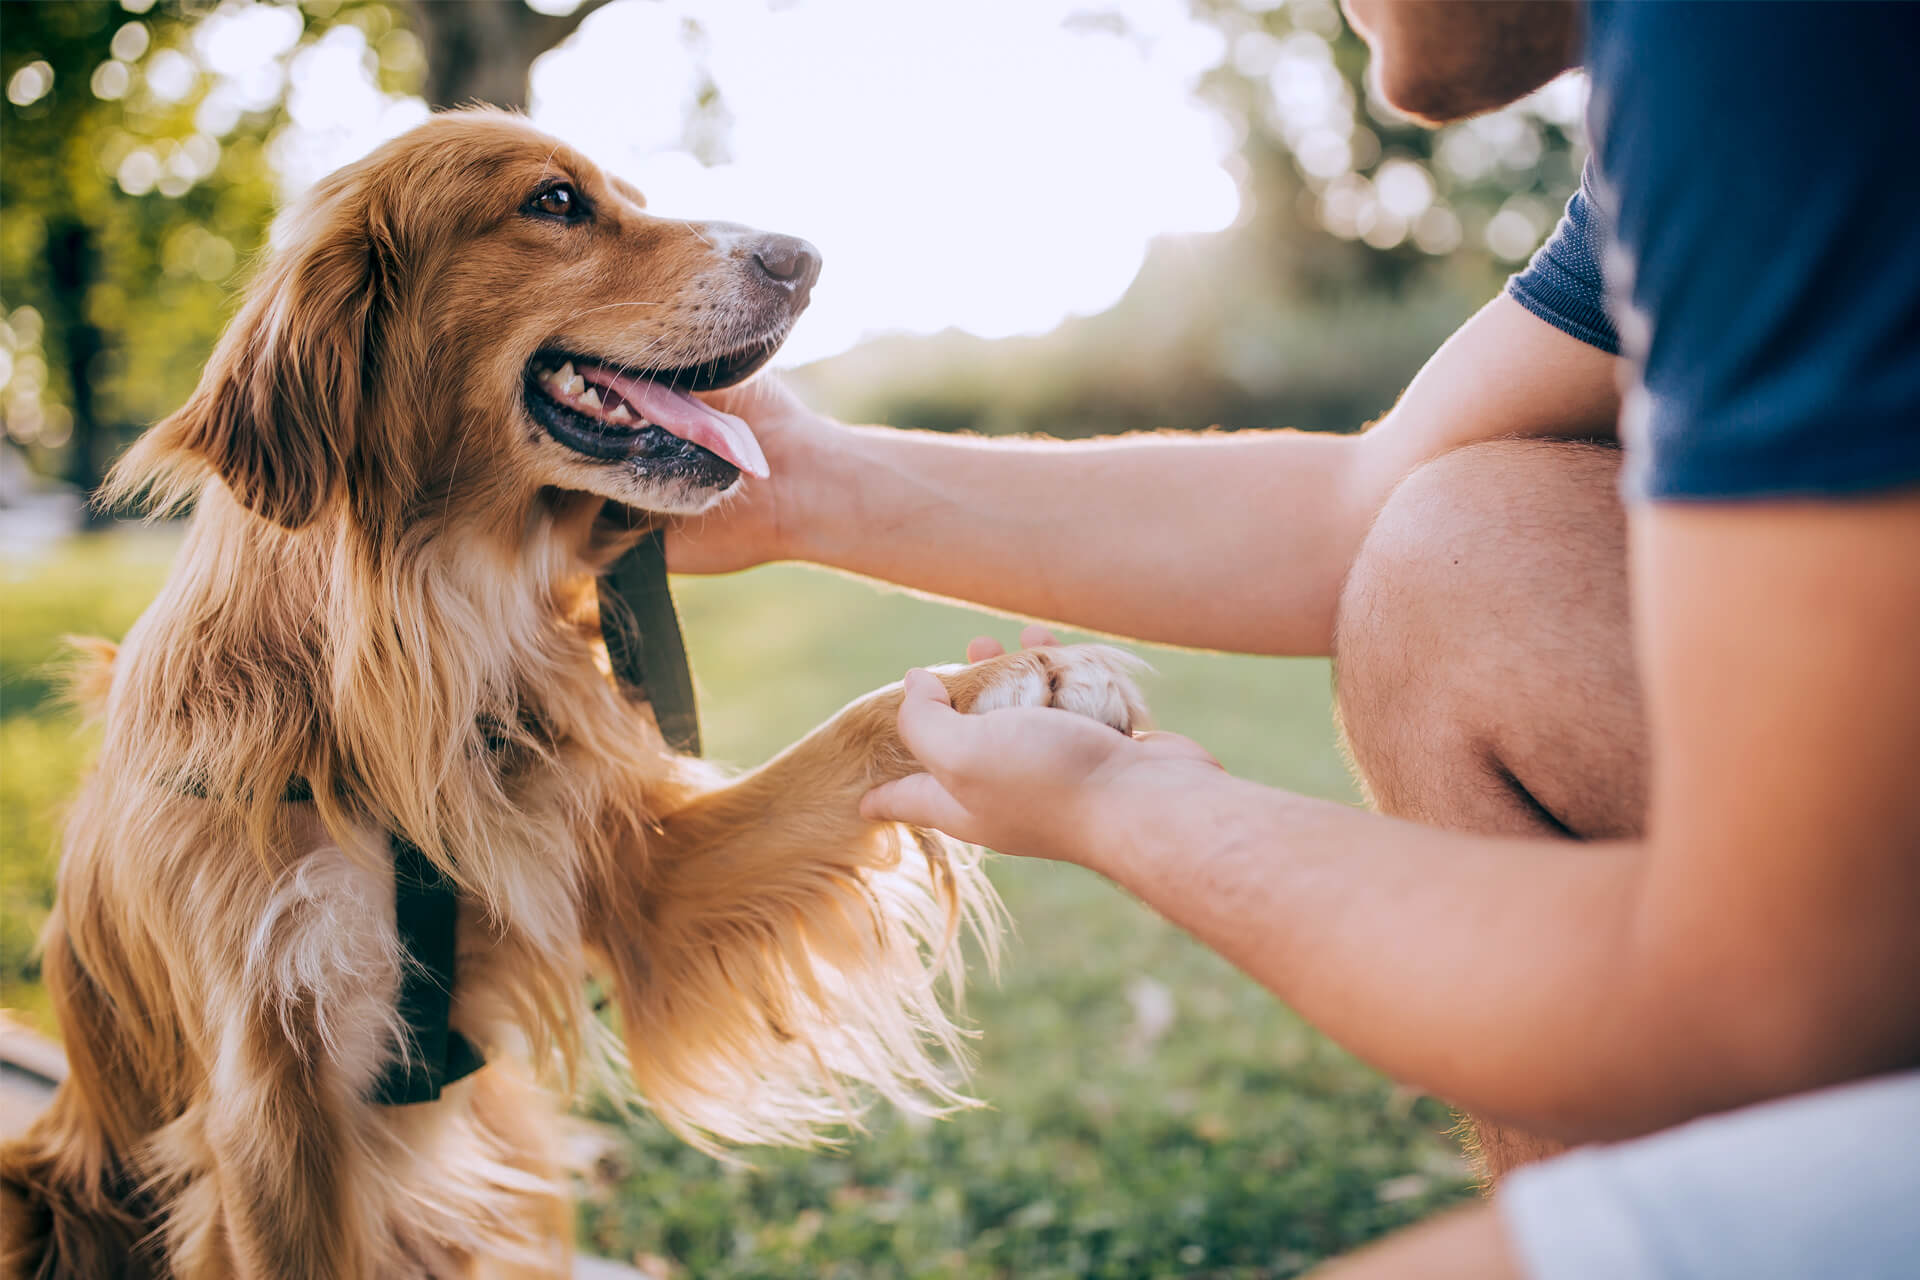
(1759, 166)
(1563, 283)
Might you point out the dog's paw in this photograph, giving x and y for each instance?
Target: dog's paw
(1092, 680)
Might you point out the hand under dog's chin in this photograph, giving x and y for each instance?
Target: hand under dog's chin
(671, 498)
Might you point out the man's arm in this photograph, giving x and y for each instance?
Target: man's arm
(1228, 541)
(1760, 941)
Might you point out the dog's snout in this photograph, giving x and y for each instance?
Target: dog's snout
(789, 262)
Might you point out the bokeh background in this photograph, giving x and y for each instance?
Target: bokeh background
(1062, 216)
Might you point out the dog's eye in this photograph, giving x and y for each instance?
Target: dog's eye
(558, 201)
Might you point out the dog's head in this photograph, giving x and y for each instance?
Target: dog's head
(475, 314)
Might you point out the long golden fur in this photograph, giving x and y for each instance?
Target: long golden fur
(387, 590)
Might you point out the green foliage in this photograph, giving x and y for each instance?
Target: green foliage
(1149, 1111)
(148, 264)
(1357, 198)
(136, 184)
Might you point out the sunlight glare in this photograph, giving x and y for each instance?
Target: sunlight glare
(993, 166)
(990, 167)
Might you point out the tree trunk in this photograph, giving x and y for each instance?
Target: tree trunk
(479, 51)
(71, 269)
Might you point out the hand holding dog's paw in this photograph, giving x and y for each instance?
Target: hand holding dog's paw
(1017, 774)
(1091, 680)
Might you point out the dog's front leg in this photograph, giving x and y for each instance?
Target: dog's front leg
(278, 1199)
(768, 943)
(277, 1166)
(817, 783)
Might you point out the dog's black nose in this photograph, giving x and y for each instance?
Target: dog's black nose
(789, 262)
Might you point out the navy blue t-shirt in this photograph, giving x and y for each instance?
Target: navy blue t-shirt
(1752, 207)
(1562, 283)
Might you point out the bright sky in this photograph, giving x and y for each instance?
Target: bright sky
(988, 165)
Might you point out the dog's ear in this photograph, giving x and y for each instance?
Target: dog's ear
(280, 414)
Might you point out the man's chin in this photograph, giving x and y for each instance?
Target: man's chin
(1434, 102)
(1438, 63)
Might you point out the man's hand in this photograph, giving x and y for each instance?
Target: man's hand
(1032, 781)
(758, 523)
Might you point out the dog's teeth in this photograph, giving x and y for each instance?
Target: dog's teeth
(573, 386)
(591, 399)
(620, 413)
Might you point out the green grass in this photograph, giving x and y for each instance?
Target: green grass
(1236, 1142)
(95, 586)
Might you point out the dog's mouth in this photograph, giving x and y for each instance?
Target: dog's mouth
(611, 411)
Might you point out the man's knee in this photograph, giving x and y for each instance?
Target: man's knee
(1482, 642)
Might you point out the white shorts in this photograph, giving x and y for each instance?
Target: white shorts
(1823, 1185)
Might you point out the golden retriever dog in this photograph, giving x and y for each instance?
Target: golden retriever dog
(457, 390)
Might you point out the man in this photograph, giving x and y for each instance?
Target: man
(1713, 689)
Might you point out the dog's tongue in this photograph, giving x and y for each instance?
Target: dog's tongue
(675, 410)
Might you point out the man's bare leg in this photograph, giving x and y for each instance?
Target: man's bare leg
(1484, 661)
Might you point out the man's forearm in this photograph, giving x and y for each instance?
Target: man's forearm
(1228, 541)
(1145, 536)
(1505, 975)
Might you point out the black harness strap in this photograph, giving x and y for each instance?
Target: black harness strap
(642, 631)
(642, 634)
(426, 911)
(644, 645)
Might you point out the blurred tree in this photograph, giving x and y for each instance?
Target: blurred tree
(481, 50)
(1371, 199)
(134, 179)
(64, 80)
(484, 51)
